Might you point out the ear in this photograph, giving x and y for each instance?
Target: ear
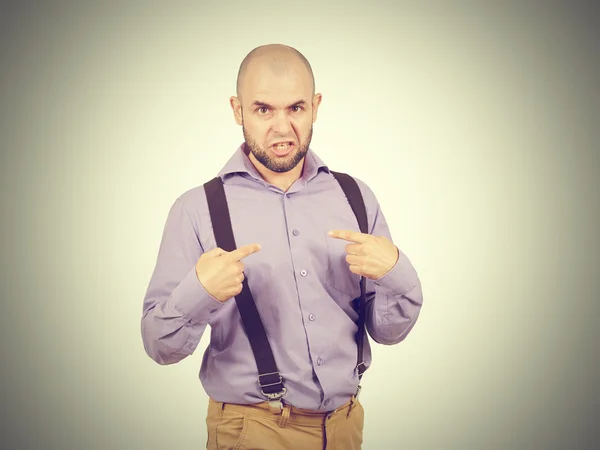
(236, 106)
(315, 106)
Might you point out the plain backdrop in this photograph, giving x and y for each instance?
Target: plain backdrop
(475, 124)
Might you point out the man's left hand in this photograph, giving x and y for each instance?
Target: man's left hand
(369, 256)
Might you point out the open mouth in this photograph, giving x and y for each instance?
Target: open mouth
(282, 148)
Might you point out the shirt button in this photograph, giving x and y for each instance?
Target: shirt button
(327, 402)
(319, 362)
(303, 273)
(296, 232)
(311, 317)
(287, 195)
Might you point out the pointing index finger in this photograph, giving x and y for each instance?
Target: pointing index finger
(242, 252)
(349, 235)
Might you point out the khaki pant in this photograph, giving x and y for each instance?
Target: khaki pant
(260, 427)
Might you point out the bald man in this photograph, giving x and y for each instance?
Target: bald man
(281, 368)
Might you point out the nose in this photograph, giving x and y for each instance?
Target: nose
(281, 124)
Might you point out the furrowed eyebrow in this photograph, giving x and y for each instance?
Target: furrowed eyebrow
(298, 103)
(261, 104)
(266, 105)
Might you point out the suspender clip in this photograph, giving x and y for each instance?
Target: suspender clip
(361, 368)
(274, 398)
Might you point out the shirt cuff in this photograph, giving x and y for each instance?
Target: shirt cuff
(191, 299)
(400, 279)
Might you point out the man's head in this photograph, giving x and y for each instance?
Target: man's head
(276, 105)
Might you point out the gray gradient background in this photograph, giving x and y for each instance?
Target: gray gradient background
(476, 126)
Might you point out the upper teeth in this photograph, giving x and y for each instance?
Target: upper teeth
(282, 146)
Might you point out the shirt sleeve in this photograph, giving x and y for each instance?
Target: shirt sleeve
(393, 302)
(176, 307)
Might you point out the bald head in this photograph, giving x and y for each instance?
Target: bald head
(278, 58)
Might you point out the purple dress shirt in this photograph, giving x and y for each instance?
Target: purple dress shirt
(300, 282)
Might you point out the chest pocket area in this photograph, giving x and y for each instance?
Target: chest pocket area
(338, 270)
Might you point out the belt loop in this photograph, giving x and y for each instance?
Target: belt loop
(221, 406)
(285, 415)
(351, 406)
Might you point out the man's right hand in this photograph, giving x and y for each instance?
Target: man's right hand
(221, 273)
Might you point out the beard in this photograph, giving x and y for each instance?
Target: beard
(274, 164)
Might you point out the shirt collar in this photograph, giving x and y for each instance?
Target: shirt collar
(240, 163)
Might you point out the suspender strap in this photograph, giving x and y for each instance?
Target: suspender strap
(269, 378)
(355, 198)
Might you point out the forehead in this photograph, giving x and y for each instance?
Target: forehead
(281, 84)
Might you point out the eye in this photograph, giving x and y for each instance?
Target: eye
(296, 108)
(263, 110)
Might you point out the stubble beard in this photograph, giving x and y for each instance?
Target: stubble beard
(280, 165)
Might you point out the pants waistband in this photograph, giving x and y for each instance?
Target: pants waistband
(293, 415)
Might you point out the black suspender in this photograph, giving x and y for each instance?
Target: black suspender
(269, 378)
(357, 204)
